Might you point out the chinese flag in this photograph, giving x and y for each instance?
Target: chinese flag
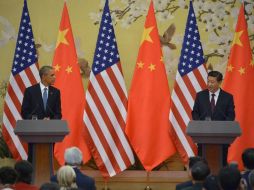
(149, 101)
(238, 81)
(68, 80)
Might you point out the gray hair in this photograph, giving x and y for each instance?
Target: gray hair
(73, 156)
(44, 70)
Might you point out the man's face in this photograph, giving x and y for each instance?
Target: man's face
(49, 78)
(212, 84)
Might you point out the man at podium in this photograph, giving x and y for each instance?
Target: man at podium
(42, 101)
(214, 103)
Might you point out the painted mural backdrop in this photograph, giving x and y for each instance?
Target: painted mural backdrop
(216, 21)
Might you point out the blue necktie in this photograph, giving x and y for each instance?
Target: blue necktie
(45, 98)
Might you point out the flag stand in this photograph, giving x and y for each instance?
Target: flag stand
(106, 185)
(148, 181)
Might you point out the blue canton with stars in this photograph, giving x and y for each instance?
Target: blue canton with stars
(106, 52)
(192, 52)
(25, 52)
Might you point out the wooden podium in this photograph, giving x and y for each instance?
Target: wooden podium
(42, 134)
(212, 135)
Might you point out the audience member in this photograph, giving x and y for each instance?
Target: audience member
(25, 172)
(50, 186)
(248, 163)
(8, 177)
(66, 178)
(211, 183)
(251, 179)
(74, 158)
(199, 172)
(229, 178)
(192, 161)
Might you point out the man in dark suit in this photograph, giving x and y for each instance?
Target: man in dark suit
(214, 103)
(192, 160)
(42, 101)
(223, 108)
(73, 157)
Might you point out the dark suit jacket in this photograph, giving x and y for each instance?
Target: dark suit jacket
(183, 185)
(33, 104)
(245, 176)
(83, 181)
(196, 186)
(224, 109)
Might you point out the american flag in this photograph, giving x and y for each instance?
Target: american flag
(24, 73)
(106, 104)
(190, 78)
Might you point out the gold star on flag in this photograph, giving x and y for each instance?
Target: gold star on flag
(151, 67)
(161, 59)
(61, 37)
(237, 38)
(69, 70)
(57, 67)
(251, 63)
(140, 65)
(146, 35)
(241, 71)
(230, 68)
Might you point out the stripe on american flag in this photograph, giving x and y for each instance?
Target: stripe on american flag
(190, 79)
(106, 104)
(24, 73)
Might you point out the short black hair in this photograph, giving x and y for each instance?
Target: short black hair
(248, 158)
(200, 171)
(24, 170)
(217, 74)
(229, 178)
(194, 159)
(44, 70)
(211, 183)
(7, 175)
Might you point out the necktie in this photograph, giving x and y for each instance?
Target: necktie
(212, 103)
(45, 98)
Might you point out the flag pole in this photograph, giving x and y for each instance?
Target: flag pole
(106, 185)
(148, 181)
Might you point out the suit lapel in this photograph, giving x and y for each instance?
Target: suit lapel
(219, 100)
(38, 94)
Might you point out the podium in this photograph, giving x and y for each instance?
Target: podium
(42, 134)
(212, 135)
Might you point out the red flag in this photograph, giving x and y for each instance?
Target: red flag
(149, 101)
(238, 81)
(106, 104)
(190, 78)
(24, 73)
(68, 80)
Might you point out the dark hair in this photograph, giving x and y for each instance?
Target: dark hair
(50, 186)
(7, 175)
(216, 74)
(24, 170)
(229, 178)
(44, 70)
(194, 159)
(200, 171)
(248, 158)
(211, 183)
